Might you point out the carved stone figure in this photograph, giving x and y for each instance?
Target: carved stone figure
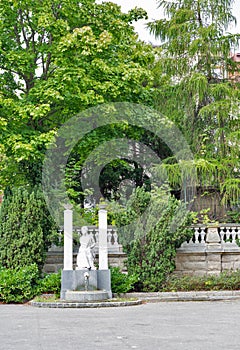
(85, 257)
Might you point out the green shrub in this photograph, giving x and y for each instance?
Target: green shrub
(122, 282)
(19, 284)
(26, 228)
(152, 251)
(51, 283)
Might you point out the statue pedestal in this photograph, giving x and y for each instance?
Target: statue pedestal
(87, 296)
(86, 284)
(74, 281)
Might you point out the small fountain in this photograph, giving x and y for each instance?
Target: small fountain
(86, 283)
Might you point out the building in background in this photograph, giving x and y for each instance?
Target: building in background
(235, 75)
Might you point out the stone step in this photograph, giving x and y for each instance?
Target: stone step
(84, 296)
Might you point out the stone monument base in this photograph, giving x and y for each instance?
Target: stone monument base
(74, 281)
(86, 296)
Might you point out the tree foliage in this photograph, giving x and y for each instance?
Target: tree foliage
(58, 58)
(114, 172)
(194, 83)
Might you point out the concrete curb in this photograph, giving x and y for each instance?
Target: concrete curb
(146, 297)
(64, 304)
(185, 296)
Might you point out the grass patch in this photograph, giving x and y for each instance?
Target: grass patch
(47, 298)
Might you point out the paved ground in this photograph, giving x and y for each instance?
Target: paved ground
(153, 326)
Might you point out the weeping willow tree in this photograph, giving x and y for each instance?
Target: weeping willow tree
(193, 76)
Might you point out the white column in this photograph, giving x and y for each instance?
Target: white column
(103, 248)
(68, 245)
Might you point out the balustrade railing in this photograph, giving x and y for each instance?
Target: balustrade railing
(229, 234)
(112, 237)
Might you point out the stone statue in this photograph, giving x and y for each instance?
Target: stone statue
(85, 257)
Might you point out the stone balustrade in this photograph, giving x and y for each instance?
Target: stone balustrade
(228, 237)
(112, 237)
(211, 250)
(116, 256)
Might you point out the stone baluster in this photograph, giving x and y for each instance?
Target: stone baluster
(203, 233)
(221, 234)
(234, 236)
(90, 232)
(109, 237)
(194, 238)
(228, 234)
(115, 238)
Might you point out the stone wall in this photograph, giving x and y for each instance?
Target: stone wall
(210, 251)
(54, 261)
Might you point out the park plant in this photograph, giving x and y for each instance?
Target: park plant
(226, 280)
(56, 60)
(151, 243)
(122, 282)
(26, 228)
(195, 86)
(18, 285)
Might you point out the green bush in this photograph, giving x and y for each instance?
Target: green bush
(228, 280)
(51, 283)
(22, 284)
(151, 254)
(19, 284)
(122, 282)
(26, 228)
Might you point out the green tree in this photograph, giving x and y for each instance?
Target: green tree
(58, 58)
(26, 229)
(194, 88)
(116, 171)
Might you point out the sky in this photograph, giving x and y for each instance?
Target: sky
(155, 13)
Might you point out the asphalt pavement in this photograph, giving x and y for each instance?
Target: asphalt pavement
(152, 326)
